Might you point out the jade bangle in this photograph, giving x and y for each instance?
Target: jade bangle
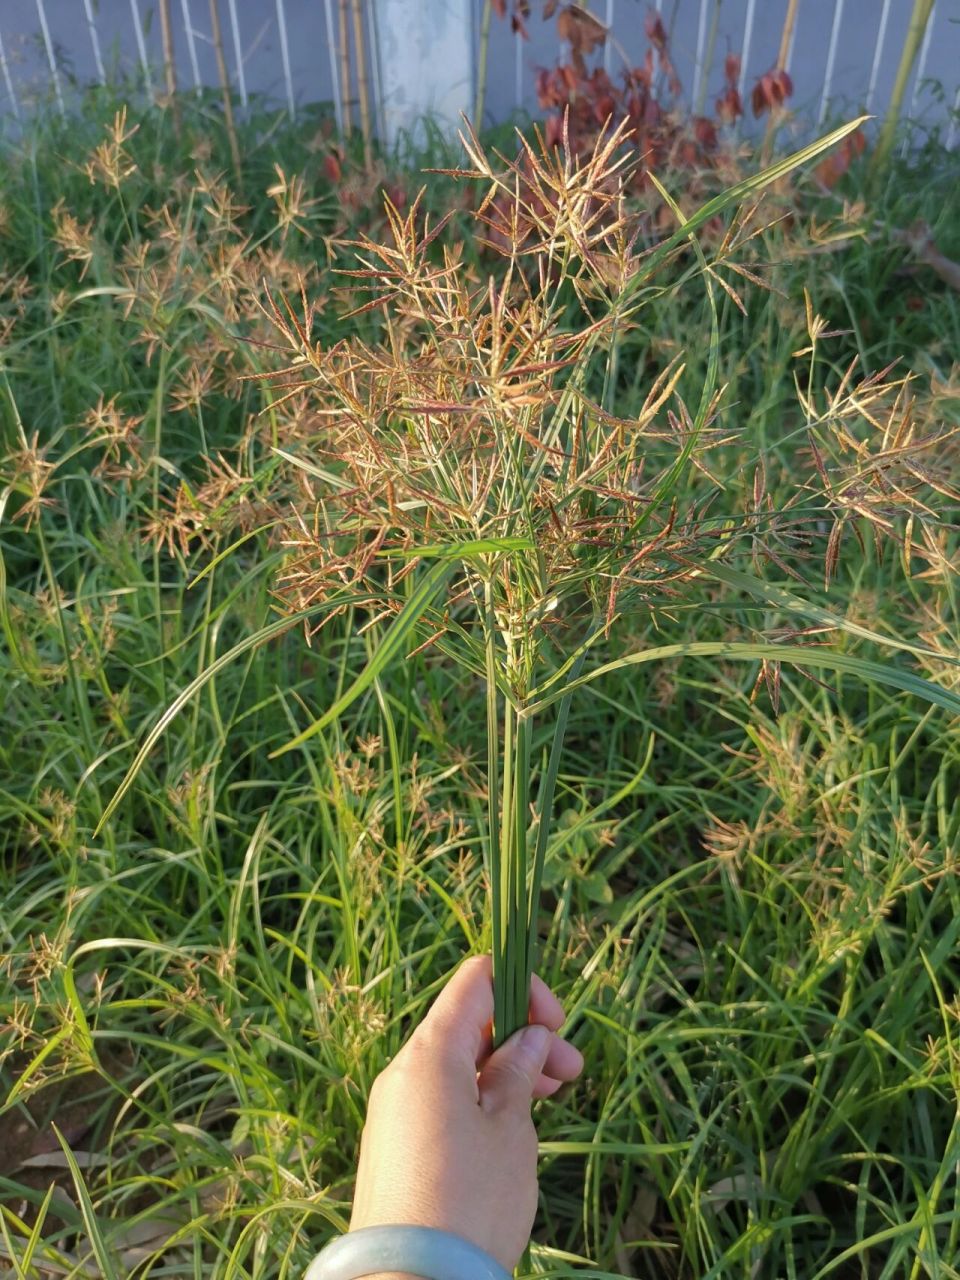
(418, 1251)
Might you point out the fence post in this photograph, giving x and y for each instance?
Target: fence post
(238, 54)
(48, 43)
(877, 54)
(285, 55)
(142, 48)
(95, 41)
(831, 59)
(334, 67)
(191, 45)
(952, 131)
(8, 82)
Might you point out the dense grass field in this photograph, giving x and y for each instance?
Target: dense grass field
(751, 908)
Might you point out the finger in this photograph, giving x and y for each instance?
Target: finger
(461, 1016)
(545, 1008)
(546, 1088)
(513, 1072)
(564, 1061)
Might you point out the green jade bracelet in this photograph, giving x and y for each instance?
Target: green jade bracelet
(418, 1251)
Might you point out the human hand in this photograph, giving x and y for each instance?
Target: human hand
(449, 1140)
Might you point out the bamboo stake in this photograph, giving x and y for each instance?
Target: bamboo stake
(783, 63)
(360, 49)
(786, 35)
(345, 113)
(169, 67)
(482, 64)
(375, 64)
(225, 86)
(95, 41)
(7, 80)
(51, 58)
(911, 45)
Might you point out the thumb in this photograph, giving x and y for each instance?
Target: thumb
(511, 1073)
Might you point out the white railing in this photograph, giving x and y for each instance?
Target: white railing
(843, 53)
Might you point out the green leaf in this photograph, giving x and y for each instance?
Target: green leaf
(778, 598)
(464, 550)
(597, 887)
(805, 655)
(735, 194)
(390, 647)
(258, 638)
(105, 1260)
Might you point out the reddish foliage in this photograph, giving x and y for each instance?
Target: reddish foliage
(832, 167)
(582, 31)
(518, 19)
(771, 90)
(359, 190)
(332, 167)
(705, 132)
(729, 106)
(587, 100)
(654, 28)
(579, 101)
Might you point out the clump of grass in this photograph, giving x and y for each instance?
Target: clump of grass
(479, 434)
(752, 917)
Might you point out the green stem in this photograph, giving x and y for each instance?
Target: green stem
(520, 958)
(548, 789)
(911, 46)
(493, 800)
(482, 64)
(77, 689)
(504, 991)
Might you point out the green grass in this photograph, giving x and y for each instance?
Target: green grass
(753, 918)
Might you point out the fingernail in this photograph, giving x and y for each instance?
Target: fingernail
(534, 1041)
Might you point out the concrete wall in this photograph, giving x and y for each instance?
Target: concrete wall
(424, 69)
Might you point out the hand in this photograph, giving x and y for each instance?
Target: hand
(449, 1141)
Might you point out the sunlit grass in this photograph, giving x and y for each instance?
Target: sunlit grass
(751, 917)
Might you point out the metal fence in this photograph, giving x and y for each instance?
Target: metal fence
(842, 56)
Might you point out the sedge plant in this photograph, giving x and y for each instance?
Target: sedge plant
(463, 482)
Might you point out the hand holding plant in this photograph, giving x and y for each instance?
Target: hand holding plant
(449, 1142)
(479, 435)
